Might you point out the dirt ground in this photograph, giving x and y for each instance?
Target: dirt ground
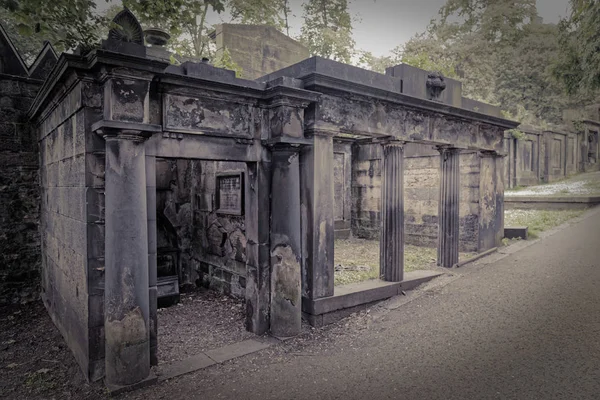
(202, 321)
(35, 362)
(357, 260)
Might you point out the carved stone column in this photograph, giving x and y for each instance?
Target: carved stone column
(126, 287)
(391, 259)
(448, 234)
(285, 247)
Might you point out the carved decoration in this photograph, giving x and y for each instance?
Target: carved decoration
(435, 85)
(128, 30)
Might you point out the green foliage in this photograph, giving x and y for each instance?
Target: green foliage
(224, 61)
(185, 20)
(260, 12)
(28, 46)
(501, 52)
(67, 24)
(428, 53)
(538, 221)
(578, 66)
(377, 64)
(327, 29)
(517, 134)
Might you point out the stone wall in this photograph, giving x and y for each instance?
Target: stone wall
(421, 195)
(259, 50)
(342, 175)
(72, 224)
(194, 241)
(19, 194)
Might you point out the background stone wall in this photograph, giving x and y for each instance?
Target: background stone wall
(258, 49)
(421, 195)
(20, 260)
(342, 175)
(195, 242)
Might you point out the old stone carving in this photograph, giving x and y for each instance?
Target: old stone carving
(435, 85)
(128, 30)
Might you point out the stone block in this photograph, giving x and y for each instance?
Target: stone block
(514, 232)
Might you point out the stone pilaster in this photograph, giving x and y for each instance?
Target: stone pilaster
(391, 259)
(258, 263)
(285, 246)
(317, 191)
(448, 234)
(127, 283)
(491, 200)
(152, 260)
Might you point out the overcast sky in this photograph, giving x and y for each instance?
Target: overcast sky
(385, 24)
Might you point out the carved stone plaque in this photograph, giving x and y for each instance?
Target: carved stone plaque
(230, 193)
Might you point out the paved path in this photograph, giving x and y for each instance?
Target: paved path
(524, 327)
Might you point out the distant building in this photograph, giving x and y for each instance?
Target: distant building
(258, 49)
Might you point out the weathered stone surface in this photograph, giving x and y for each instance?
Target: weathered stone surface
(317, 191)
(391, 259)
(195, 115)
(491, 203)
(258, 50)
(285, 248)
(449, 207)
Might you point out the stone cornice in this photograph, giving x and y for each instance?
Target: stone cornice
(125, 130)
(319, 82)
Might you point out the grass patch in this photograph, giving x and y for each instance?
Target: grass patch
(539, 221)
(357, 260)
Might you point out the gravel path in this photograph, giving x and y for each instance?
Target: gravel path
(524, 327)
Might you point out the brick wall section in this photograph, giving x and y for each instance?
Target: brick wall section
(19, 195)
(259, 49)
(421, 197)
(71, 172)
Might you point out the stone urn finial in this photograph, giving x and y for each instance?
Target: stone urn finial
(157, 37)
(435, 85)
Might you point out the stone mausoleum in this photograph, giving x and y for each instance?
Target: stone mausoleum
(154, 176)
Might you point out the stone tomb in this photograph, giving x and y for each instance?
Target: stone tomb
(250, 171)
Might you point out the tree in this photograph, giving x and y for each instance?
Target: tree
(28, 46)
(260, 12)
(377, 64)
(67, 24)
(578, 65)
(185, 20)
(428, 53)
(500, 51)
(327, 29)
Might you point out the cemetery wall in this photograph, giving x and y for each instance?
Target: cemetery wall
(20, 260)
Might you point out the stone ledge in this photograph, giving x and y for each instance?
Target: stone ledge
(550, 202)
(350, 298)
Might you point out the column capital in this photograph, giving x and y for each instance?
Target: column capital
(125, 130)
(285, 143)
(392, 142)
(447, 148)
(491, 153)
